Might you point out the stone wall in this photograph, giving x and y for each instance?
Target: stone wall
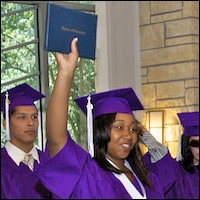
(169, 39)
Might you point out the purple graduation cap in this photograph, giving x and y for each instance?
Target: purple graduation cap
(114, 101)
(122, 100)
(190, 123)
(21, 95)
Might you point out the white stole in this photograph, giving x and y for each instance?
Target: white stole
(131, 189)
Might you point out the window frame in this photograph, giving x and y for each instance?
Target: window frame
(42, 56)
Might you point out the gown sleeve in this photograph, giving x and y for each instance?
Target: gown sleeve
(66, 165)
(72, 173)
(159, 161)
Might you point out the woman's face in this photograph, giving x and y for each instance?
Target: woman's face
(123, 137)
(194, 146)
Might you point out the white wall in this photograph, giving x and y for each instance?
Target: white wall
(118, 46)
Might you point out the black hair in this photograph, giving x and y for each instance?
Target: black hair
(102, 129)
(10, 113)
(187, 161)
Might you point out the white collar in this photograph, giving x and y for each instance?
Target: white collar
(130, 188)
(18, 155)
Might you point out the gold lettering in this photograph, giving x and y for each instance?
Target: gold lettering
(63, 28)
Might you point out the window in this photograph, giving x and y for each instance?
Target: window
(19, 47)
(83, 84)
(23, 60)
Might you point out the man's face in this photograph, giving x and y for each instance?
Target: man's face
(24, 125)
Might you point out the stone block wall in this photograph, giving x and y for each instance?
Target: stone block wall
(169, 40)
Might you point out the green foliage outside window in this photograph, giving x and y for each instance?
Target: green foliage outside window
(83, 84)
(19, 63)
(18, 48)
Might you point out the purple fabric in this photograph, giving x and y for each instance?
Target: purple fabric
(111, 105)
(123, 100)
(21, 95)
(176, 182)
(190, 122)
(73, 174)
(186, 185)
(165, 169)
(18, 182)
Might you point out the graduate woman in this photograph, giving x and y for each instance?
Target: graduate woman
(186, 185)
(116, 171)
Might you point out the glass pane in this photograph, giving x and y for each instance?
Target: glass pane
(83, 84)
(157, 133)
(8, 7)
(17, 28)
(18, 63)
(156, 119)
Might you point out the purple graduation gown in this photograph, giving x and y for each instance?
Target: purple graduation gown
(176, 182)
(73, 174)
(165, 169)
(186, 185)
(18, 182)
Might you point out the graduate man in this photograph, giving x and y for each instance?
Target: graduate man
(19, 156)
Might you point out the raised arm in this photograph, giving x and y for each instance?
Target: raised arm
(57, 110)
(160, 161)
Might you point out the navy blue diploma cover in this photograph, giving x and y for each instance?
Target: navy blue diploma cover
(63, 24)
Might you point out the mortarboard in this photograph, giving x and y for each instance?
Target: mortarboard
(190, 122)
(21, 95)
(123, 100)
